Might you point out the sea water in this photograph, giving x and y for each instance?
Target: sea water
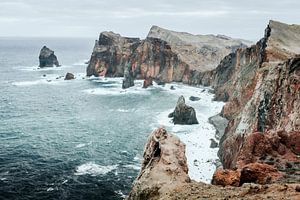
(84, 138)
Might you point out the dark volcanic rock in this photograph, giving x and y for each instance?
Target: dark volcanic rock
(183, 114)
(193, 98)
(69, 76)
(148, 82)
(128, 80)
(47, 58)
(213, 144)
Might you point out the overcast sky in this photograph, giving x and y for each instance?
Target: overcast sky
(87, 18)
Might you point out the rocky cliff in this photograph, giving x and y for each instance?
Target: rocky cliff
(164, 55)
(261, 143)
(164, 175)
(261, 85)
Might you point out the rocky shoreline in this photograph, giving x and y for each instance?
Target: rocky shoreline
(261, 143)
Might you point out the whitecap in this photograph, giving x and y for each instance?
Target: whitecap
(80, 145)
(94, 169)
(50, 189)
(134, 167)
(121, 194)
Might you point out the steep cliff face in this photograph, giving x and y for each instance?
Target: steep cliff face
(261, 85)
(164, 167)
(164, 55)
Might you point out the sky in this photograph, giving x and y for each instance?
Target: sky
(133, 18)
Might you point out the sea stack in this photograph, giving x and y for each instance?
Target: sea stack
(47, 58)
(128, 80)
(183, 114)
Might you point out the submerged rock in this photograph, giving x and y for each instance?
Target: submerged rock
(193, 98)
(164, 167)
(128, 80)
(69, 76)
(47, 58)
(183, 114)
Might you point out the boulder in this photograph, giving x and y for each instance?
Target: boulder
(193, 98)
(69, 76)
(148, 82)
(128, 80)
(213, 144)
(47, 58)
(226, 177)
(183, 114)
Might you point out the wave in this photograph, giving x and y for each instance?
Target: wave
(93, 169)
(134, 167)
(36, 68)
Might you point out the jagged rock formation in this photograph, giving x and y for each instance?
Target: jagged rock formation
(183, 114)
(164, 176)
(47, 58)
(128, 80)
(164, 167)
(261, 85)
(69, 76)
(164, 55)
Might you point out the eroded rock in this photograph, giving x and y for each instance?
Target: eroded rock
(164, 167)
(69, 76)
(183, 114)
(47, 58)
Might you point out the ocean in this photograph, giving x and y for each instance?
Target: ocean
(84, 138)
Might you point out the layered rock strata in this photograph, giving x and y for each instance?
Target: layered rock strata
(164, 55)
(47, 58)
(261, 85)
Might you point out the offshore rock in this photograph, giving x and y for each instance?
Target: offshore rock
(183, 114)
(47, 58)
(261, 85)
(164, 167)
(69, 76)
(193, 98)
(128, 80)
(164, 55)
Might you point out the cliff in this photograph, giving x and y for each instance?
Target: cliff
(164, 55)
(261, 85)
(164, 175)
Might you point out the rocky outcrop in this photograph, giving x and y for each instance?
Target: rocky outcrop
(220, 124)
(47, 58)
(164, 55)
(164, 176)
(69, 76)
(148, 82)
(183, 114)
(164, 167)
(128, 80)
(261, 86)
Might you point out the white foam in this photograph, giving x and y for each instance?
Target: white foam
(121, 194)
(94, 169)
(80, 145)
(134, 167)
(36, 68)
(197, 137)
(50, 189)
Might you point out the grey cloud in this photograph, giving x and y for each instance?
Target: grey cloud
(243, 19)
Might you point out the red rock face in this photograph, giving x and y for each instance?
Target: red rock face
(261, 85)
(180, 60)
